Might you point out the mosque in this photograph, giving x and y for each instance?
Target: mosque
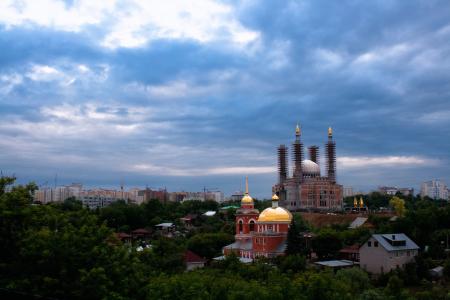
(307, 189)
(259, 234)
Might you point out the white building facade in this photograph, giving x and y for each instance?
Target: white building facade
(385, 252)
(435, 189)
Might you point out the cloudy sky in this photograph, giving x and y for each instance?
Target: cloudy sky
(187, 94)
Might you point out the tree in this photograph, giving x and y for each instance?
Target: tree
(166, 255)
(372, 295)
(4, 182)
(356, 279)
(209, 244)
(295, 241)
(394, 288)
(326, 243)
(398, 204)
(293, 263)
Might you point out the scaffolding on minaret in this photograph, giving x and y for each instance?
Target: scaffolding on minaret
(282, 163)
(314, 154)
(298, 154)
(330, 147)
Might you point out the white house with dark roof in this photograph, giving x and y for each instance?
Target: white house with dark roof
(382, 253)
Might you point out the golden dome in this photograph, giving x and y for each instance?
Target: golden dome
(246, 199)
(330, 131)
(275, 197)
(275, 214)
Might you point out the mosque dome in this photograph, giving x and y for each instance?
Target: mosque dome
(275, 214)
(310, 167)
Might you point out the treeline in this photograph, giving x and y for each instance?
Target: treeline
(65, 251)
(376, 200)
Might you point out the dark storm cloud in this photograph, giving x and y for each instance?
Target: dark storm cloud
(378, 72)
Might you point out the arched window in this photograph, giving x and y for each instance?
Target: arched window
(240, 226)
(252, 225)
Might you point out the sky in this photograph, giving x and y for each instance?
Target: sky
(198, 94)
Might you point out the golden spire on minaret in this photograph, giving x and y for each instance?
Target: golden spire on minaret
(330, 131)
(297, 130)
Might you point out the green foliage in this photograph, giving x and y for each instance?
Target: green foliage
(65, 251)
(71, 204)
(372, 294)
(119, 214)
(394, 288)
(356, 279)
(4, 182)
(209, 244)
(373, 200)
(398, 204)
(296, 244)
(447, 268)
(292, 263)
(327, 243)
(166, 255)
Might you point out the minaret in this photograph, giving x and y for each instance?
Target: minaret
(282, 164)
(331, 156)
(298, 154)
(314, 154)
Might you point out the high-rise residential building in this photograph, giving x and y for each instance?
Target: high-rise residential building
(57, 194)
(348, 191)
(435, 189)
(307, 189)
(91, 198)
(196, 196)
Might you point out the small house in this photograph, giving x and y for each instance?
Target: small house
(193, 261)
(382, 253)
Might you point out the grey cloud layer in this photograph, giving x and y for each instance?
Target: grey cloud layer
(377, 72)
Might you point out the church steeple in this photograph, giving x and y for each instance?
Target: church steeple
(247, 200)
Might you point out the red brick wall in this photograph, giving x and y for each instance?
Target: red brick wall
(246, 218)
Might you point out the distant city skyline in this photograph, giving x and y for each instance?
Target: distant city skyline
(185, 96)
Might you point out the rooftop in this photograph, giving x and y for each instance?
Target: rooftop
(209, 213)
(335, 263)
(395, 242)
(165, 225)
(359, 221)
(191, 257)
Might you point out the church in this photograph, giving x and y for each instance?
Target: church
(259, 234)
(307, 189)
